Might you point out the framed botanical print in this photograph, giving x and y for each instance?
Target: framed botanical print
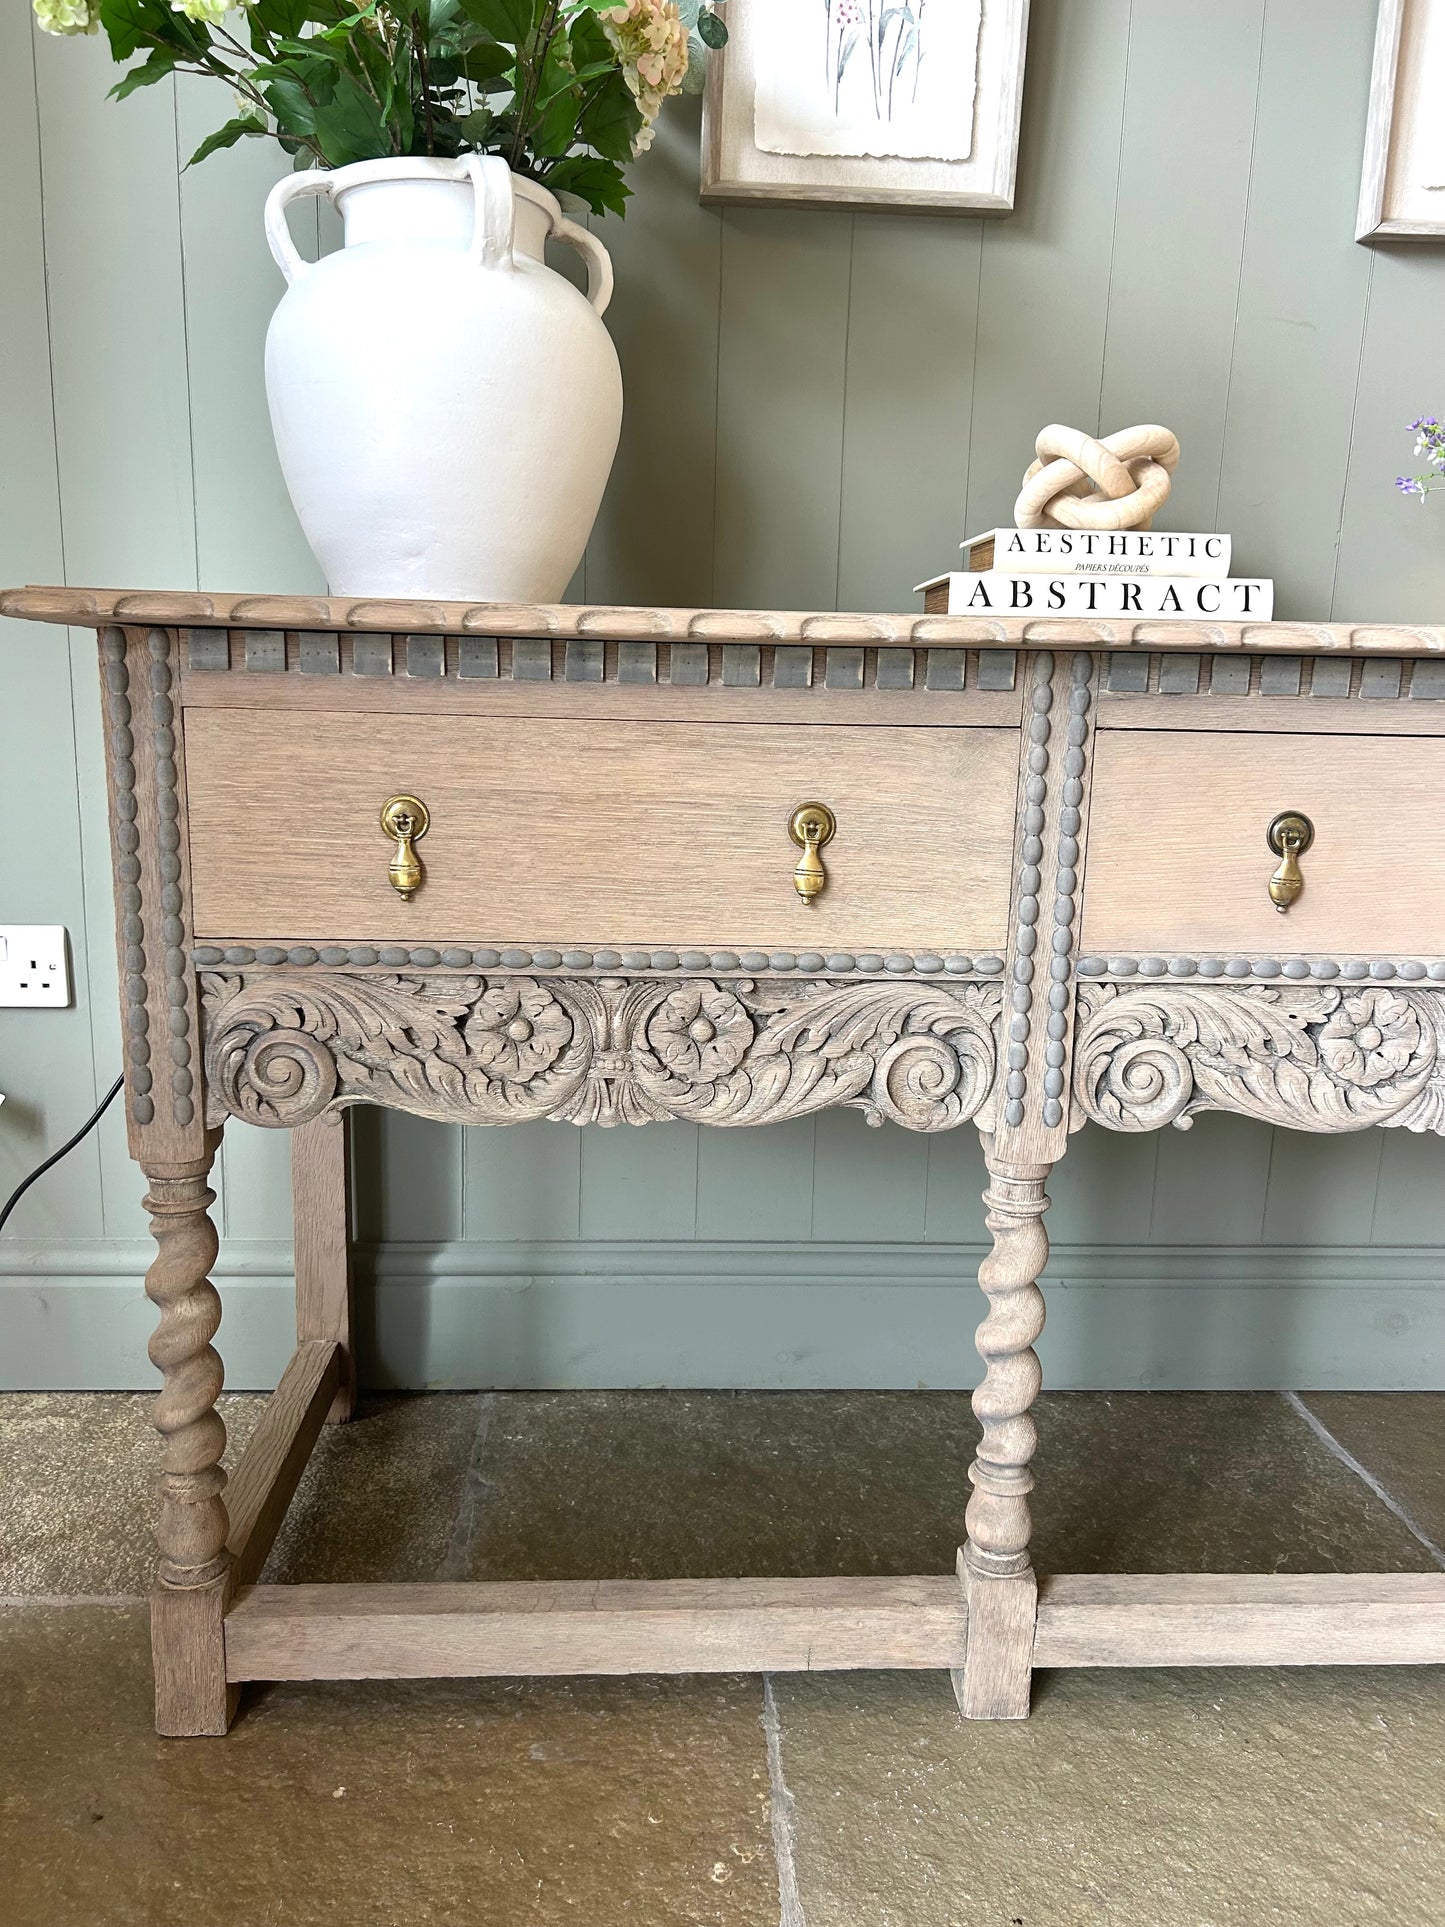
(1402, 186)
(867, 103)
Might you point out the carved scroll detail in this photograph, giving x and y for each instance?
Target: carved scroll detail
(1320, 1059)
(282, 1045)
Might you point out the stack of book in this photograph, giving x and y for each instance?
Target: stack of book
(1151, 573)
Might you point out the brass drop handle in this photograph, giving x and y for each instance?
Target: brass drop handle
(811, 826)
(405, 819)
(1289, 836)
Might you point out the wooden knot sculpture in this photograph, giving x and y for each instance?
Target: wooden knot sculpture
(1078, 482)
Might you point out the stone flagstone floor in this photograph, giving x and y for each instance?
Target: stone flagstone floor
(1152, 1799)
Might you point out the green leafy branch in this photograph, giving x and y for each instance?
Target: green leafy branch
(550, 84)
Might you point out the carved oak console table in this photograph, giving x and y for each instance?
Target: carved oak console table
(614, 865)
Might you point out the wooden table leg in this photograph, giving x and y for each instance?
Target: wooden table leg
(321, 1210)
(189, 1600)
(994, 1563)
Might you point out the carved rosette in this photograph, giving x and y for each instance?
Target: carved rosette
(282, 1045)
(1324, 1059)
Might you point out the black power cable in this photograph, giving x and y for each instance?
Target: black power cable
(39, 1172)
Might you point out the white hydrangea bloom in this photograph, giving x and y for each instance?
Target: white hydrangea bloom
(67, 16)
(651, 40)
(211, 12)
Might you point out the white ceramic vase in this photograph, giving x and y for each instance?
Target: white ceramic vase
(446, 408)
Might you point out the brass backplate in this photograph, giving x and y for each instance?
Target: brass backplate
(812, 823)
(405, 817)
(1294, 825)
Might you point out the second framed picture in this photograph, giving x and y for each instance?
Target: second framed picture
(867, 103)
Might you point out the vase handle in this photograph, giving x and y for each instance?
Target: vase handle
(599, 261)
(313, 183)
(494, 210)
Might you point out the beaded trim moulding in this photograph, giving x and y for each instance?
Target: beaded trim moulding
(1242, 969)
(604, 961)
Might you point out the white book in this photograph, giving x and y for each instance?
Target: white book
(1000, 592)
(1171, 552)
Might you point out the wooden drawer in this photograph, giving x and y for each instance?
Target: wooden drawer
(560, 832)
(1178, 862)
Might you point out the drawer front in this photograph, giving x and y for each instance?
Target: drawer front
(1178, 859)
(561, 832)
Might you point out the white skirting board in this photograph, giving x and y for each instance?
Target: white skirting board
(766, 1316)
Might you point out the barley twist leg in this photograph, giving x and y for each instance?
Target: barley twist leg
(994, 1564)
(189, 1600)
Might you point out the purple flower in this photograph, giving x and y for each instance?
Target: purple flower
(1429, 442)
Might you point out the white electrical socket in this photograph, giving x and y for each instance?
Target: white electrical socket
(34, 966)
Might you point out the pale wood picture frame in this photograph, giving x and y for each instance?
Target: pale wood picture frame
(734, 169)
(1395, 199)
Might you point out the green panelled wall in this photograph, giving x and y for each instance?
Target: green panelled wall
(818, 405)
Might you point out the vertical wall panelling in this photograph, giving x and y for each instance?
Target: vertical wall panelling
(1211, 1179)
(1301, 304)
(408, 1178)
(1178, 239)
(117, 320)
(818, 404)
(1392, 546)
(1103, 1190)
(869, 1184)
(1409, 1197)
(523, 1184)
(639, 1187)
(45, 1057)
(910, 375)
(654, 538)
(1321, 1190)
(782, 361)
(955, 1184)
(1044, 296)
(245, 528)
(767, 1174)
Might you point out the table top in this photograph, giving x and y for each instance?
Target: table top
(172, 608)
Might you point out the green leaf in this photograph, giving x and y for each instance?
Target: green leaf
(280, 19)
(369, 61)
(510, 21)
(610, 121)
(320, 47)
(476, 128)
(555, 129)
(349, 126)
(598, 183)
(162, 61)
(133, 24)
(590, 45)
(313, 73)
(710, 30)
(487, 62)
(227, 136)
(294, 114)
(557, 74)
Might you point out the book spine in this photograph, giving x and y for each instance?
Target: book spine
(1165, 552)
(1001, 592)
